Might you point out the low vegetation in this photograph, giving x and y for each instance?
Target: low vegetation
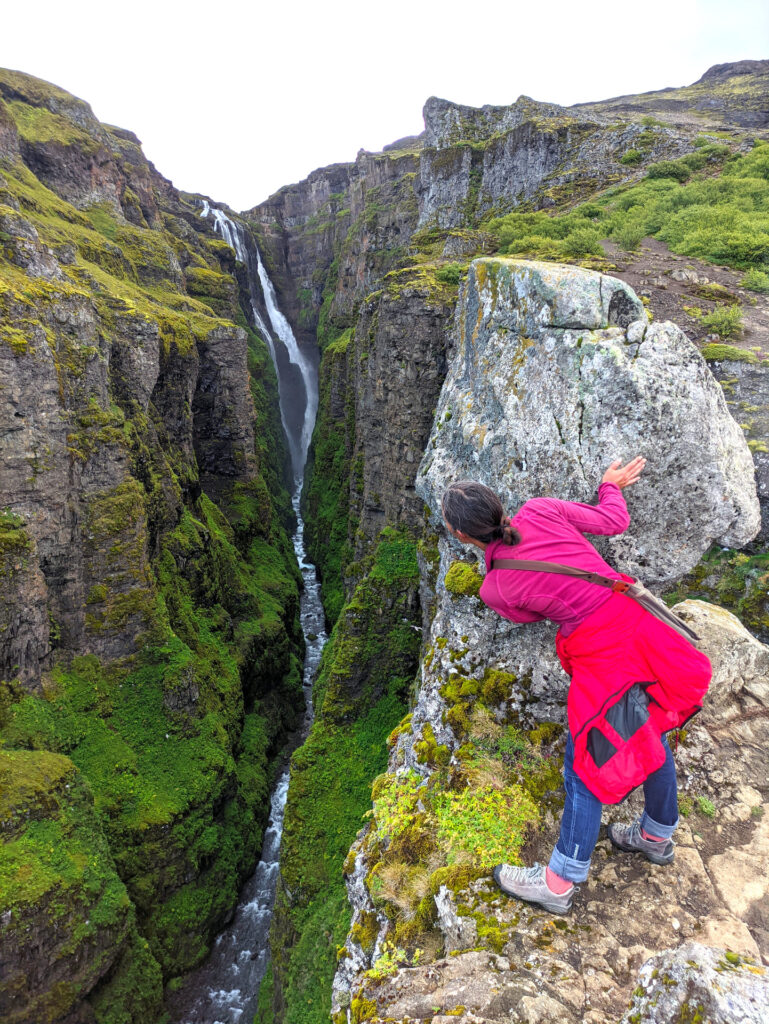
(712, 204)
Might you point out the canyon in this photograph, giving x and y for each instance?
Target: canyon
(164, 360)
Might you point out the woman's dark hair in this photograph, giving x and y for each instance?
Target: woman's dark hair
(473, 508)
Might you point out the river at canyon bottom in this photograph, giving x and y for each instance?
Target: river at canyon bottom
(225, 988)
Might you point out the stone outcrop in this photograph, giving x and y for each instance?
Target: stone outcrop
(696, 981)
(730, 94)
(60, 883)
(584, 969)
(528, 338)
(556, 372)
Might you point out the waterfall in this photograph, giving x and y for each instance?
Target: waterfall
(234, 233)
(283, 330)
(224, 989)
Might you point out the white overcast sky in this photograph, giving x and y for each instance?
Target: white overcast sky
(235, 99)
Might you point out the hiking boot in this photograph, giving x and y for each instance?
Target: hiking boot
(530, 884)
(629, 839)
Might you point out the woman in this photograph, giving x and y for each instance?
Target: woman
(633, 676)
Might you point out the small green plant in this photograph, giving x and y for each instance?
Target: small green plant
(706, 807)
(490, 824)
(389, 962)
(726, 321)
(631, 158)
(685, 806)
(757, 811)
(449, 274)
(756, 280)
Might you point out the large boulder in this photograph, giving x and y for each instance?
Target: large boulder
(556, 372)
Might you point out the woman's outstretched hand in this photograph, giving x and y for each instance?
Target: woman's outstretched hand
(621, 475)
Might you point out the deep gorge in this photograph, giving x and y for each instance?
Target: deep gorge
(153, 686)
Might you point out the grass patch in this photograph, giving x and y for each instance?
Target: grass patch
(710, 204)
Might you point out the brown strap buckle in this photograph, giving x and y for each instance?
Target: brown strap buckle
(620, 586)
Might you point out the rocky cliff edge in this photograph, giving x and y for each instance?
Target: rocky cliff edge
(553, 372)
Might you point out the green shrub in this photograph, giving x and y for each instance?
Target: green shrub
(675, 169)
(726, 321)
(583, 242)
(628, 236)
(722, 219)
(756, 280)
(449, 274)
(631, 158)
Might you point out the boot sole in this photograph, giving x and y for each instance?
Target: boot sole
(553, 908)
(655, 859)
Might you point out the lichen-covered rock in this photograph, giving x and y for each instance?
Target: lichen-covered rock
(696, 983)
(554, 374)
(746, 387)
(557, 369)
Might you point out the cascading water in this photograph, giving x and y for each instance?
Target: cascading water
(224, 990)
(298, 429)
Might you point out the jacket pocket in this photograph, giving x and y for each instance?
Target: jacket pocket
(630, 712)
(600, 747)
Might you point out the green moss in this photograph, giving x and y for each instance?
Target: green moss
(14, 539)
(715, 352)
(326, 496)
(362, 1009)
(463, 579)
(491, 824)
(736, 580)
(428, 750)
(56, 865)
(365, 931)
(39, 125)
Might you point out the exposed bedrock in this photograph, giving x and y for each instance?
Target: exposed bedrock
(557, 372)
(553, 372)
(629, 914)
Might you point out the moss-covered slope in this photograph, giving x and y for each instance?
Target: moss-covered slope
(144, 530)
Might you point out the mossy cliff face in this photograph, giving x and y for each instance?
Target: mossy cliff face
(67, 922)
(149, 637)
(360, 695)
(379, 383)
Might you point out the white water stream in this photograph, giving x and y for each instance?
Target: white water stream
(225, 989)
(233, 232)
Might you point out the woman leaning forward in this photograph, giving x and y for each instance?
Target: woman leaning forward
(633, 677)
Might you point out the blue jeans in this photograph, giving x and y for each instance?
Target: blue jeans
(582, 815)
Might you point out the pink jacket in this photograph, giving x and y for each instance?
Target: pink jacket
(552, 531)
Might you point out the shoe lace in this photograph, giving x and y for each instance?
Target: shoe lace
(530, 874)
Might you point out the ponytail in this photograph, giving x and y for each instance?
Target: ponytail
(473, 508)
